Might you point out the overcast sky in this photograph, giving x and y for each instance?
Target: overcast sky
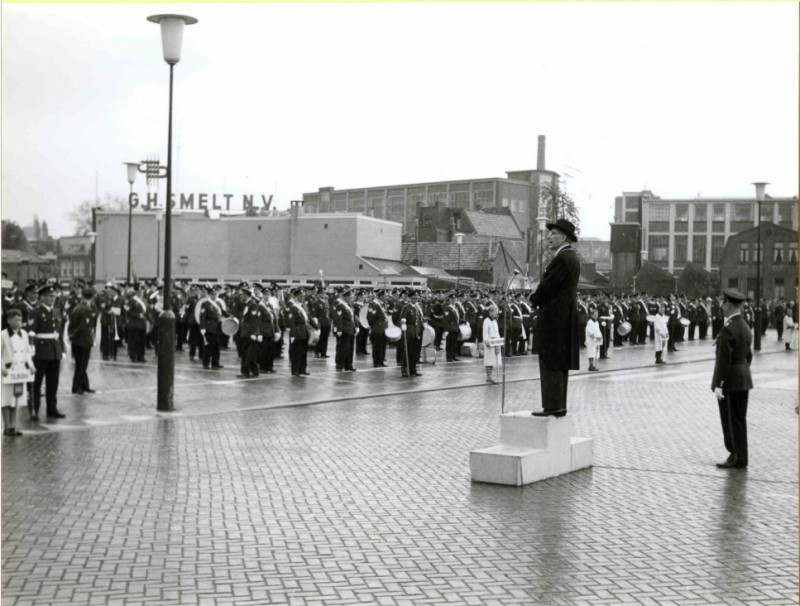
(684, 99)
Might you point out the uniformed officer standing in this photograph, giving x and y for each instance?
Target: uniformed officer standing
(298, 323)
(378, 323)
(82, 322)
(732, 381)
(250, 335)
(411, 338)
(135, 324)
(46, 329)
(345, 327)
(211, 328)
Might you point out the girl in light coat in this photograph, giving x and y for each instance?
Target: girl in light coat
(789, 334)
(594, 338)
(661, 332)
(491, 354)
(17, 358)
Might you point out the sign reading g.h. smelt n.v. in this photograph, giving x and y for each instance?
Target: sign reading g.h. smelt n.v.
(205, 202)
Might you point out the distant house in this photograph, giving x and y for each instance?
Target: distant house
(21, 266)
(75, 258)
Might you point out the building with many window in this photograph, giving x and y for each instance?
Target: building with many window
(739, 267)
(673, 232)
(521, 193)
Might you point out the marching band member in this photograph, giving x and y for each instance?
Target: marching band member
(297, 325)
(211, 328)
(378, 323)
(345, 328)
(46, 330)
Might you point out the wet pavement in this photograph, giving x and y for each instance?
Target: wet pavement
(354, 488)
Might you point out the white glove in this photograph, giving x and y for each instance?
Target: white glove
(718, 393)
(259, 338)
(253, 337)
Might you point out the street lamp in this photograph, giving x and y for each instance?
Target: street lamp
(171, 39)
(542, 221)
(159, 215)
(760, 189)
(459, 239)
(133, 168)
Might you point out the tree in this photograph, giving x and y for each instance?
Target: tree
(37, 229)
(81, 217)
(562, 203)
(13, 237)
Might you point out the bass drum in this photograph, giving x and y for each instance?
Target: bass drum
(230, 326)
(428, 335)
(393, 334)
(362, 317)
(466, 332)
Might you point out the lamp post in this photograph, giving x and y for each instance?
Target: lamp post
(133, 168)
(171, 39)
(542, 221)
(459, 239)
(159, 214)
(760, 189)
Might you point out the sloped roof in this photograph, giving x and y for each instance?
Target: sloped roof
(16, 256)
(387, 266)
(494, 225)
(474, 255)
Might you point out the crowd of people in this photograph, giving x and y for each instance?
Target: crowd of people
(266, 322)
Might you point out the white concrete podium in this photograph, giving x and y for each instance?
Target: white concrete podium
(531, 449)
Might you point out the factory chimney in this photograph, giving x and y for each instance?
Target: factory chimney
(540, 154)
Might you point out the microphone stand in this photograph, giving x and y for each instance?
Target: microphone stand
(505, 340)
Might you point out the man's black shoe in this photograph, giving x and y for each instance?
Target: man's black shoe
(405, 374)
(417, 374)
(550, 413)
(56, 415)
(306, 374)
(77, 392)
(89, 391)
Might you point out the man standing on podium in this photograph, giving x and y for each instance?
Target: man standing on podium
(558, 335)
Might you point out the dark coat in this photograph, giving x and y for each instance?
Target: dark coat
(47, 322)
(557, 323)
(82, 322)
(732, 368)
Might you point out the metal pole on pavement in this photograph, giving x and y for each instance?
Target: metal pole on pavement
(760, 189)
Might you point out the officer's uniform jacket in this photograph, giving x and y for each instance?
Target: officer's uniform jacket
(47, 333)
(734, 355)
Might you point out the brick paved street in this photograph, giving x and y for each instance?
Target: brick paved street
(248, 494)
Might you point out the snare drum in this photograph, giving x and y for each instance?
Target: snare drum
(623, 329)
(466, 332)
(685, 321)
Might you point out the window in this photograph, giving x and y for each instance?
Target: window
(767, 209)
(357, 205)
(742, 211)
(792, 252)
(757, 249)
(459, 199)
(483, 198)
(733, 283)
(439, 196)
(699, 249)
(339, 204)
(375, 207)
(779, 289)
(777, 252)
(397, 208)
(659, 212)
(717, 246)
(700, 212)
(681, 212)
(718, 212)
(785, 211)
(744, 252)
(659, 247)
(680, 249)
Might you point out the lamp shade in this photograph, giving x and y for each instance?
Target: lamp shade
(172, 34)
(459, 238)
(542, 223)
(761, 188)
(133, 168)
